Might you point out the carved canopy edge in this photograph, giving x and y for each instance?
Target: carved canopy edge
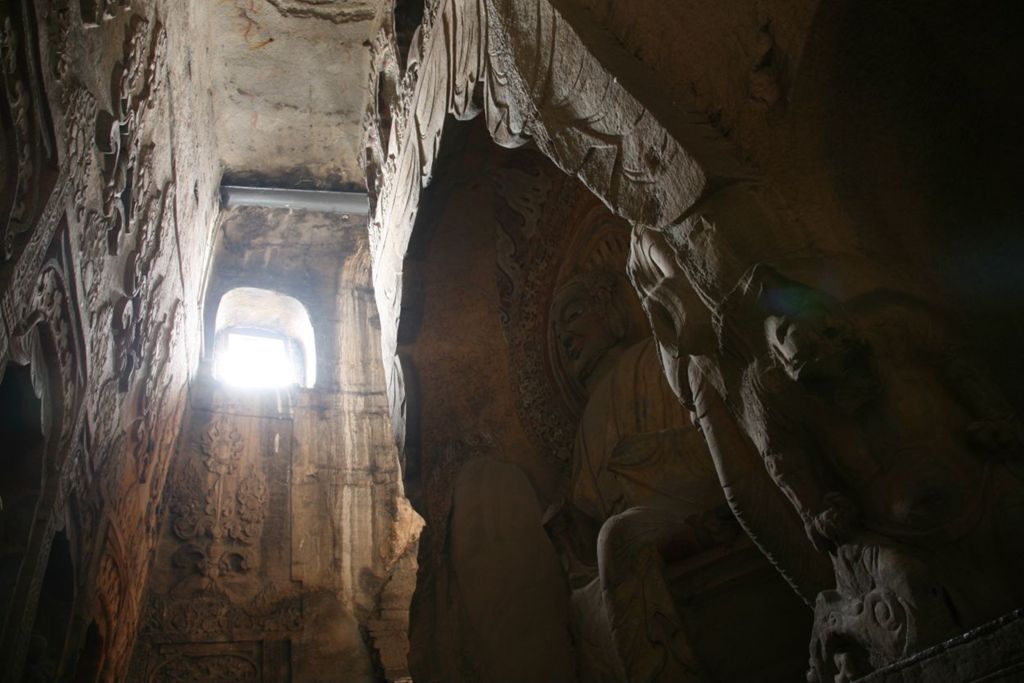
(529, 68)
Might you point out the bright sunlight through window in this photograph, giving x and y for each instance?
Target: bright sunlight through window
(251, 360)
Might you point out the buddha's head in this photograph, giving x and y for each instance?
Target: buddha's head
(589, 321)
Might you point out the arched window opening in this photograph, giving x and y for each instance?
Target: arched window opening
(53, 614)
(263, 339)
(21, 461)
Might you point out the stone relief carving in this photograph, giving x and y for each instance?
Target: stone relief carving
(214, 577)
(529, 249)
(49, 337)
(62, 283)
(841, 396)
(153, 408)
(117, 603)
(845, 405)
(213, 614)
(473, 58)
(84, 516)
(219, 513)
(684, 331)
(132, 312)
(223, 668)
(110, 590)
(466, 59)
(136, 83)
(338, 12)
(29, 147)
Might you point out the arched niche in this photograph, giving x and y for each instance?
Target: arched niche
(53, 614)
(22, 460)
(264, 312)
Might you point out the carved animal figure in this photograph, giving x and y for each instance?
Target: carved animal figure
(886, 438)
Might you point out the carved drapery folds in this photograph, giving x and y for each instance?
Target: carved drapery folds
(469, 58)
(841, 393)
(892, 445)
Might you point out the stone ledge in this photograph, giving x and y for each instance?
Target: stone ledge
(990, 653)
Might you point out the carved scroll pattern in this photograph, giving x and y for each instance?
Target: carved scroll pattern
(29, 149)
(85, 239)
(48, 336)
(543, 217)
(213, 614)
(223, 570)
(218, 510)
(225, 668)
(126, 173)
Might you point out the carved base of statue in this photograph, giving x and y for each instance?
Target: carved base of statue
(893, 599)
(886, 603)
(989, 653)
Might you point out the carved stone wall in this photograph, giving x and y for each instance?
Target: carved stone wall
(107, 204)
(224, 556)
(288, 545)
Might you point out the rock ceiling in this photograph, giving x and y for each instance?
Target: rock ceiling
(289, 88)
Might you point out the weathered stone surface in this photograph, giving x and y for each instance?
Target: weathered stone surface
(109, 170)
(286, 506)
(288, 88)
(991, 653)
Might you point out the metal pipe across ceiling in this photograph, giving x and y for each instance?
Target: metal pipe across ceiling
(309, 200)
